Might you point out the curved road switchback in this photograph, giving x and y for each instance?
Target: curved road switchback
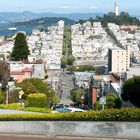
(6, 111)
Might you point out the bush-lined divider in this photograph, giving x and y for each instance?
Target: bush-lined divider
(131, 115)
(16, 106)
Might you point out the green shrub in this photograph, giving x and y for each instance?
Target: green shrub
(16, 106)
(70, 59)
(36, 109)
(37, 100)
(97, 106)
(81, 68)
(113, 101)
(131, 115)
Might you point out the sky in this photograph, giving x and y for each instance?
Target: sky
(69, 6)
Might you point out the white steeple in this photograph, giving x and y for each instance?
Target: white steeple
(116, 9)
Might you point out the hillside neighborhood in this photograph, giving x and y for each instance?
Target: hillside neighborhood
(91, 45)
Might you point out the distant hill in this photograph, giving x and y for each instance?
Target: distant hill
(78, 16)
(28, 26)
(44, 22)
(27, 16)
(123, 19)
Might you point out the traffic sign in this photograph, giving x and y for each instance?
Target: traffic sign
(103, 100)
(21, 92)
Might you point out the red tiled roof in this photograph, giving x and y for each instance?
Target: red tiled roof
(16, 73)
(27, 69)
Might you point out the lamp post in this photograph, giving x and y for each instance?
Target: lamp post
(121, 83)
(102, 98)
(49, 99)
(7, 94)
(20, 98)
(103, 102)
(82, 101)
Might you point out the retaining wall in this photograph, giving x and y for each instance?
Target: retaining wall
(127, 130)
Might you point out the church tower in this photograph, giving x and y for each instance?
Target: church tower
(116, 9)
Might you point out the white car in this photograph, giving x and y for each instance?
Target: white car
(69, 109)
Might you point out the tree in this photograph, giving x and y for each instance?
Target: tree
(27, 87)
(113, 101)
(4, 77)
(111, 14)
(1, 96)
(70, 59)
(131, 91)
(55, 100)
(63, 62)
(35, 85)
(20, 50)
(124, 14)
(77, 94)
(97, 105)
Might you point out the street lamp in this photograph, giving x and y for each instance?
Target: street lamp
(103, 102)
(20, 98)
(82, 101)
(121, 83)
(7, 94)
(102, 98)
(49, 98)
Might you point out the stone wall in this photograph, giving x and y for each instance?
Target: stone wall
(117, 130)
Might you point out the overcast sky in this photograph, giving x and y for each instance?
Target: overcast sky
(69, 6)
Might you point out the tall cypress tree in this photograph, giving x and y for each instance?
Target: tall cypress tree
(20, 50)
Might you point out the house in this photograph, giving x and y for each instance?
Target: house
(20, 71)
(20, 75)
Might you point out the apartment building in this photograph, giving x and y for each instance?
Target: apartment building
(118, 60)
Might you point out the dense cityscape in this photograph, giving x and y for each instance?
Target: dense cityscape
(90, 67)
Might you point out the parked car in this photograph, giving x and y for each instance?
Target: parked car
(58, 106)
(69, 109)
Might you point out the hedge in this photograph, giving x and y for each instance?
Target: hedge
(37, 100)
(81, 68)
(131, 115)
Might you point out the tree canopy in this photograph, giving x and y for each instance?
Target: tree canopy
(131, 91)
(20, 50)
(123, 19)
(77, 95)
(70, 59)
(35, 85)
(113, 101)
(63, 62)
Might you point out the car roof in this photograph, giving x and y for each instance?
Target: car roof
(69, 109)
(75, 109)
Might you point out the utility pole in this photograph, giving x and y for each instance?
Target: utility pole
(103, 98)
(7, 94)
